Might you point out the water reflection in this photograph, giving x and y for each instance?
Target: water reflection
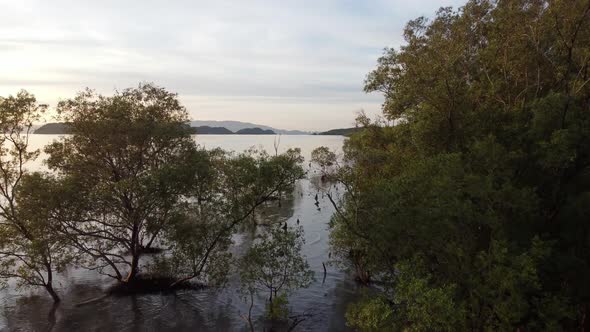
(202, 310)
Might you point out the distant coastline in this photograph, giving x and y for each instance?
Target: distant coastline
(340, 132)
(60, 128)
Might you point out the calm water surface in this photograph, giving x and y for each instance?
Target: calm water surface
(203, 310)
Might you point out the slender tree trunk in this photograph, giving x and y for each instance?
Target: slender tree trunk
(280, 196)
(270, 307)
(155, 235)
(362, 274)
(49, 284)
(135, 252)
(134, 266)
(250, 312)
(51, 291)
(179, 281)
(149, 244)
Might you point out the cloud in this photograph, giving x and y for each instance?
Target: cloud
(279, 63)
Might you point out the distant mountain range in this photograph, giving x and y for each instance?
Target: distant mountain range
(60, 128)
(236, 126)
(215, 128)
(206, 130)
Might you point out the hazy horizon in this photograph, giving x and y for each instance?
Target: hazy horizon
(297, 65)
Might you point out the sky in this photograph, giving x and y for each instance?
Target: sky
(286, 64)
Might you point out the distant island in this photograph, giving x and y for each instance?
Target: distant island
(206, 130)
(255, 131)
(341, 132)
(53, 129)
(236, 126)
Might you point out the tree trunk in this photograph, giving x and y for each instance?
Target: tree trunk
(179, 281)
(49, 284)
(250, 312)
(135, 252)
(52, 292)
(363, 275)
(270, 307)
(134, 267)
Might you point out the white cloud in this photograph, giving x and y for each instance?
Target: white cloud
(288, 64)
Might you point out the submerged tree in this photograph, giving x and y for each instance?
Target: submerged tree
(30, 251)
(274, 264)
(472, 210)
(129, 156)
(228, 188)
(141, 180)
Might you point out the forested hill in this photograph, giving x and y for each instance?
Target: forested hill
(255, 131)
(206, 130)
(53, 129)
(341, 131)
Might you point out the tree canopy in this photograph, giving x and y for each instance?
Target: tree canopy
(29, 251)
(128, 180)
(472, 209)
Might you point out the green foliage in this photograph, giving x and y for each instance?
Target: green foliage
(323, 157)
(129, 156)
(142, 181)
(274, 264)
(127, 177)
(371, 314)
(277, 309)
(228, 188)
(30, 250)
(417, 306)
(472, 208)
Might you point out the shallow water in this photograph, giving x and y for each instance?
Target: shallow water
(325, 300)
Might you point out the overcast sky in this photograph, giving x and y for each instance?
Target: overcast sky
(287, 64)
